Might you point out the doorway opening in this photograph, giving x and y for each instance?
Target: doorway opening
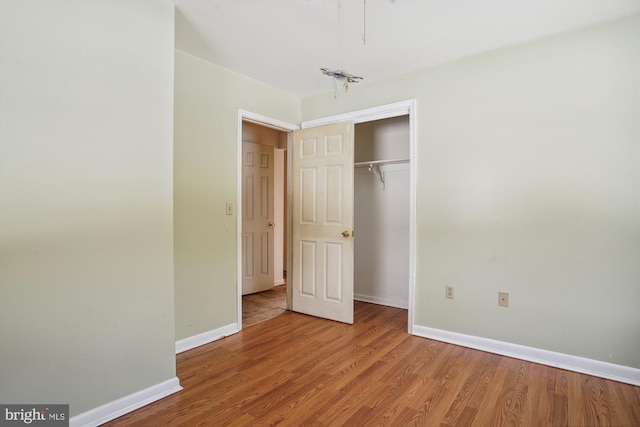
(263, 216)
(383, 170)
(390, 161)
(381, 211)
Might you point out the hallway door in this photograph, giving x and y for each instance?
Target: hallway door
(257, 218)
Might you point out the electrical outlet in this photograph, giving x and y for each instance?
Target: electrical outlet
(449, 292)
(229, 208)
(503, 299)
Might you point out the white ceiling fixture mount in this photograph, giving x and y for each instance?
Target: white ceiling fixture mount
(340, 76)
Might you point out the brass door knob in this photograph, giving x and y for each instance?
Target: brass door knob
(272, 225)
(345, 233)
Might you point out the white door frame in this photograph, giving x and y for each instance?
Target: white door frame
(261, 120)
(386, 111)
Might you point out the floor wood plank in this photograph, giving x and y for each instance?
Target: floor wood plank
(297, 370)
(263, 306)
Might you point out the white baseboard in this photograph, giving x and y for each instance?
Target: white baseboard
(278, 282)
(380, 301)
(124, 405)
(206, 337)
(583, 365)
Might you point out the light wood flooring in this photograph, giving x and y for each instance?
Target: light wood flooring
(265, 305)
(297, 370)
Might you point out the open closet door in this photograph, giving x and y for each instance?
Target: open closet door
(322, 217)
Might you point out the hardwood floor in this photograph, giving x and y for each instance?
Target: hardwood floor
(262, 306)
(297, 370)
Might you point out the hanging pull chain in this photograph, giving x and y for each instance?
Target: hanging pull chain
(364, 22)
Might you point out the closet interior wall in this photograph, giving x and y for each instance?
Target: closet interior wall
(381, 199)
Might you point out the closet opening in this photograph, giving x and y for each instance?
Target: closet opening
(382, 211)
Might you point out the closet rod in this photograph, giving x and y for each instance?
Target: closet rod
(380, 162)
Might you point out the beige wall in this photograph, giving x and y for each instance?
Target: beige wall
(86, 246)
(528, 165)
(207, 99)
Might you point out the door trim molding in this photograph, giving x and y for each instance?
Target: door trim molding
(388, 111)
(261, 120)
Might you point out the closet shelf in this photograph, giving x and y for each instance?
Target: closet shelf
(374, 166)
(379, 162)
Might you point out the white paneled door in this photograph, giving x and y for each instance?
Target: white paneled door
(322, 217)
(257, 217)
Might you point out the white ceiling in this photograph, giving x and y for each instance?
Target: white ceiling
(284, 43)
